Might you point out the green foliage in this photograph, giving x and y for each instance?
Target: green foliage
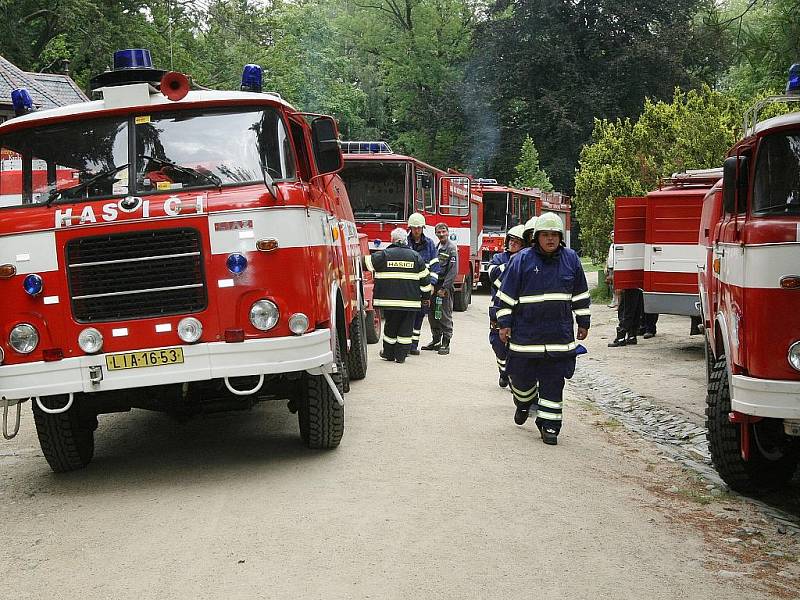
(529, 173)
(627, 158)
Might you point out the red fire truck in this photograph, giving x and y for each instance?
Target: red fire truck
(655, 243)
(203, 258)
(750, 290)
(385, 188)
(505, 206)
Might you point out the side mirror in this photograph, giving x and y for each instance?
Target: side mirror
(734, 184)
(325, 142)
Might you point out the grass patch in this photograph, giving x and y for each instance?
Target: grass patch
(600, 294)
(695, 496)
(610, 423)
(591, 267)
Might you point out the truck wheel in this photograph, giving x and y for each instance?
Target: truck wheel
(461, 301)
(66, 439)
(373, 326)
(773, 460)
(320, 416)
(357, 357)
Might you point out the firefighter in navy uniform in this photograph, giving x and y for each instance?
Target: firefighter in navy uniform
(426, 247)
(542, 288)
(402, 287)
(515, 242)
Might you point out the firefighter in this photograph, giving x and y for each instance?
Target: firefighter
(530, 224)
(514, 243)
(440, 317)
(542, 288)
(402, 287)
(426, 248)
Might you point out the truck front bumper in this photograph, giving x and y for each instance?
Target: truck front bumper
(765, 397)
(215, 360)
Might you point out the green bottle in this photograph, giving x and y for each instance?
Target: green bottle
(437, 312)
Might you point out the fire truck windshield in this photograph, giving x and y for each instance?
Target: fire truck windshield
(377, 190)
(494, 211)
(776, 188)
(88, 159)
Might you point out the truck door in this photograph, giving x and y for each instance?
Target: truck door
(672, 252)
(629, 237)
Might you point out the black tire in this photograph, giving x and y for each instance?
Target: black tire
(66, 439)
(357, 356)
(773, 458)
(463, 298)
(320, 416)
(373, 322)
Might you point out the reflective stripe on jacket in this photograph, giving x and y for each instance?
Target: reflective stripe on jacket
(402, 281)
(427, 250)
(538, 298)
(497, 267)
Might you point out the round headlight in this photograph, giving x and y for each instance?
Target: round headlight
(24, 338)
(264, 315)
(298, 323)
(794, 356)
(190, 330)
(90, 340)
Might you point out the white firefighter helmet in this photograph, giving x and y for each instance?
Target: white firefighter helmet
(549, 222)
(518, 231)
(416, 220)
(530, 224)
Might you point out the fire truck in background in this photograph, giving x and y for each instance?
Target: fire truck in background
(505, 206)
(750, 302)
(201, 255)
(385, 188)
(655, 243)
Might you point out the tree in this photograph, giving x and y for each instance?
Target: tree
(529, 173)
(625, 157)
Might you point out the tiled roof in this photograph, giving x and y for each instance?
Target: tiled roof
(46, 89)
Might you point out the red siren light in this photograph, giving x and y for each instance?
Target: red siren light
(174, 85)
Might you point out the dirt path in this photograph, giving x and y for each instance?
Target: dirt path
(434, 493)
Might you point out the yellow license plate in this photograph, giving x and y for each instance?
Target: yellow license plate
(150, 358)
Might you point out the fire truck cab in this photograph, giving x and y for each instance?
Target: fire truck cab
(385, 188)
(201, 256)
(750, 291)
(505, 206)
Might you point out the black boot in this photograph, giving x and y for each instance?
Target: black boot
(630, 340)
(521, 415)
(549, 435)
(619, 340)
(435, 343)
(503, 382)
(445, 347)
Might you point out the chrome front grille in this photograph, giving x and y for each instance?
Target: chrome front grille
(136, 275)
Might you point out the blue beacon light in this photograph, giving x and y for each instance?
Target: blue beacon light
(252, 78)
(376, 242)
(793, 85)
(132, 58)
(22, 101)
(33, 284)
(236, 264)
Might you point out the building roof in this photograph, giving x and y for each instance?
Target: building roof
(48, 90)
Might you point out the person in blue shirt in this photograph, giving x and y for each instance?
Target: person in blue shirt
(426, 248)
(543, 287)
(515, 242)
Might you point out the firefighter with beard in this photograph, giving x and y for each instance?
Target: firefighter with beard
(515, 242)
(426, 248)
(543, 287)
(402, 287)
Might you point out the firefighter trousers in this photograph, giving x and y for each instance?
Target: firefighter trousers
(397, 328)
(544, 376)
(443, 326)
(500, 349)
(419, 318)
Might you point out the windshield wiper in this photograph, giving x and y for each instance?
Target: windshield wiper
(60, 195)
(208, 177)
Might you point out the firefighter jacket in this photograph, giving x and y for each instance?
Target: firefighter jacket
(497, 267)
(448, 263)
(537, 300)
(402, 281)
(427, 250)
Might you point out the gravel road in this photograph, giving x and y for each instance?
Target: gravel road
(434, 493)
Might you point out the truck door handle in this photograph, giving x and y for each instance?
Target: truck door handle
(656, 248)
